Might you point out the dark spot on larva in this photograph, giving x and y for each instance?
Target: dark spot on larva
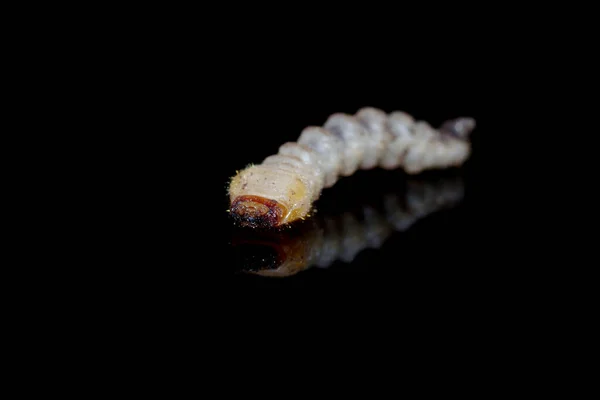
(244, 185)
(257, 212)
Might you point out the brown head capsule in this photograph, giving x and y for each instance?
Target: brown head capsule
(257, 212)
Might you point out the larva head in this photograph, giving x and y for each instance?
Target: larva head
(264, 196)
(256, 211)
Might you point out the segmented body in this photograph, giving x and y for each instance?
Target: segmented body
(284, 186)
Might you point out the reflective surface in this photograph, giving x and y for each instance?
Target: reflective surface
(346, 227)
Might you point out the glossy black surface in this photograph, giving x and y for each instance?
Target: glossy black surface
(348, 221)
(437, 240)
(209, 132)
(443, 240)
(180, 107)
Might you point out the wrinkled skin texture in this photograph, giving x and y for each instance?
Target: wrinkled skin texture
(284, 186)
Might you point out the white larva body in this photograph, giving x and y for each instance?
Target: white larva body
(283, 187)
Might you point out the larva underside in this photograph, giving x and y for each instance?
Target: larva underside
(327, 238)
(284, 186)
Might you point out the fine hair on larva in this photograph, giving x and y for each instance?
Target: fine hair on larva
(283, 187)
(328, 238)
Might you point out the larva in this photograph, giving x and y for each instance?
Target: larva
(282, 188)
(326, 239)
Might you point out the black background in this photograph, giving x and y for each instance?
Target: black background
(176, 105)
(219, 124)
(178, 108)
(200, 113)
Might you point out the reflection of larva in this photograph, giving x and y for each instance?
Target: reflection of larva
(284, 186)
(325, 239)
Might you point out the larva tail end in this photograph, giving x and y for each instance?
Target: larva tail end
(257, 212)
(459, 127)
